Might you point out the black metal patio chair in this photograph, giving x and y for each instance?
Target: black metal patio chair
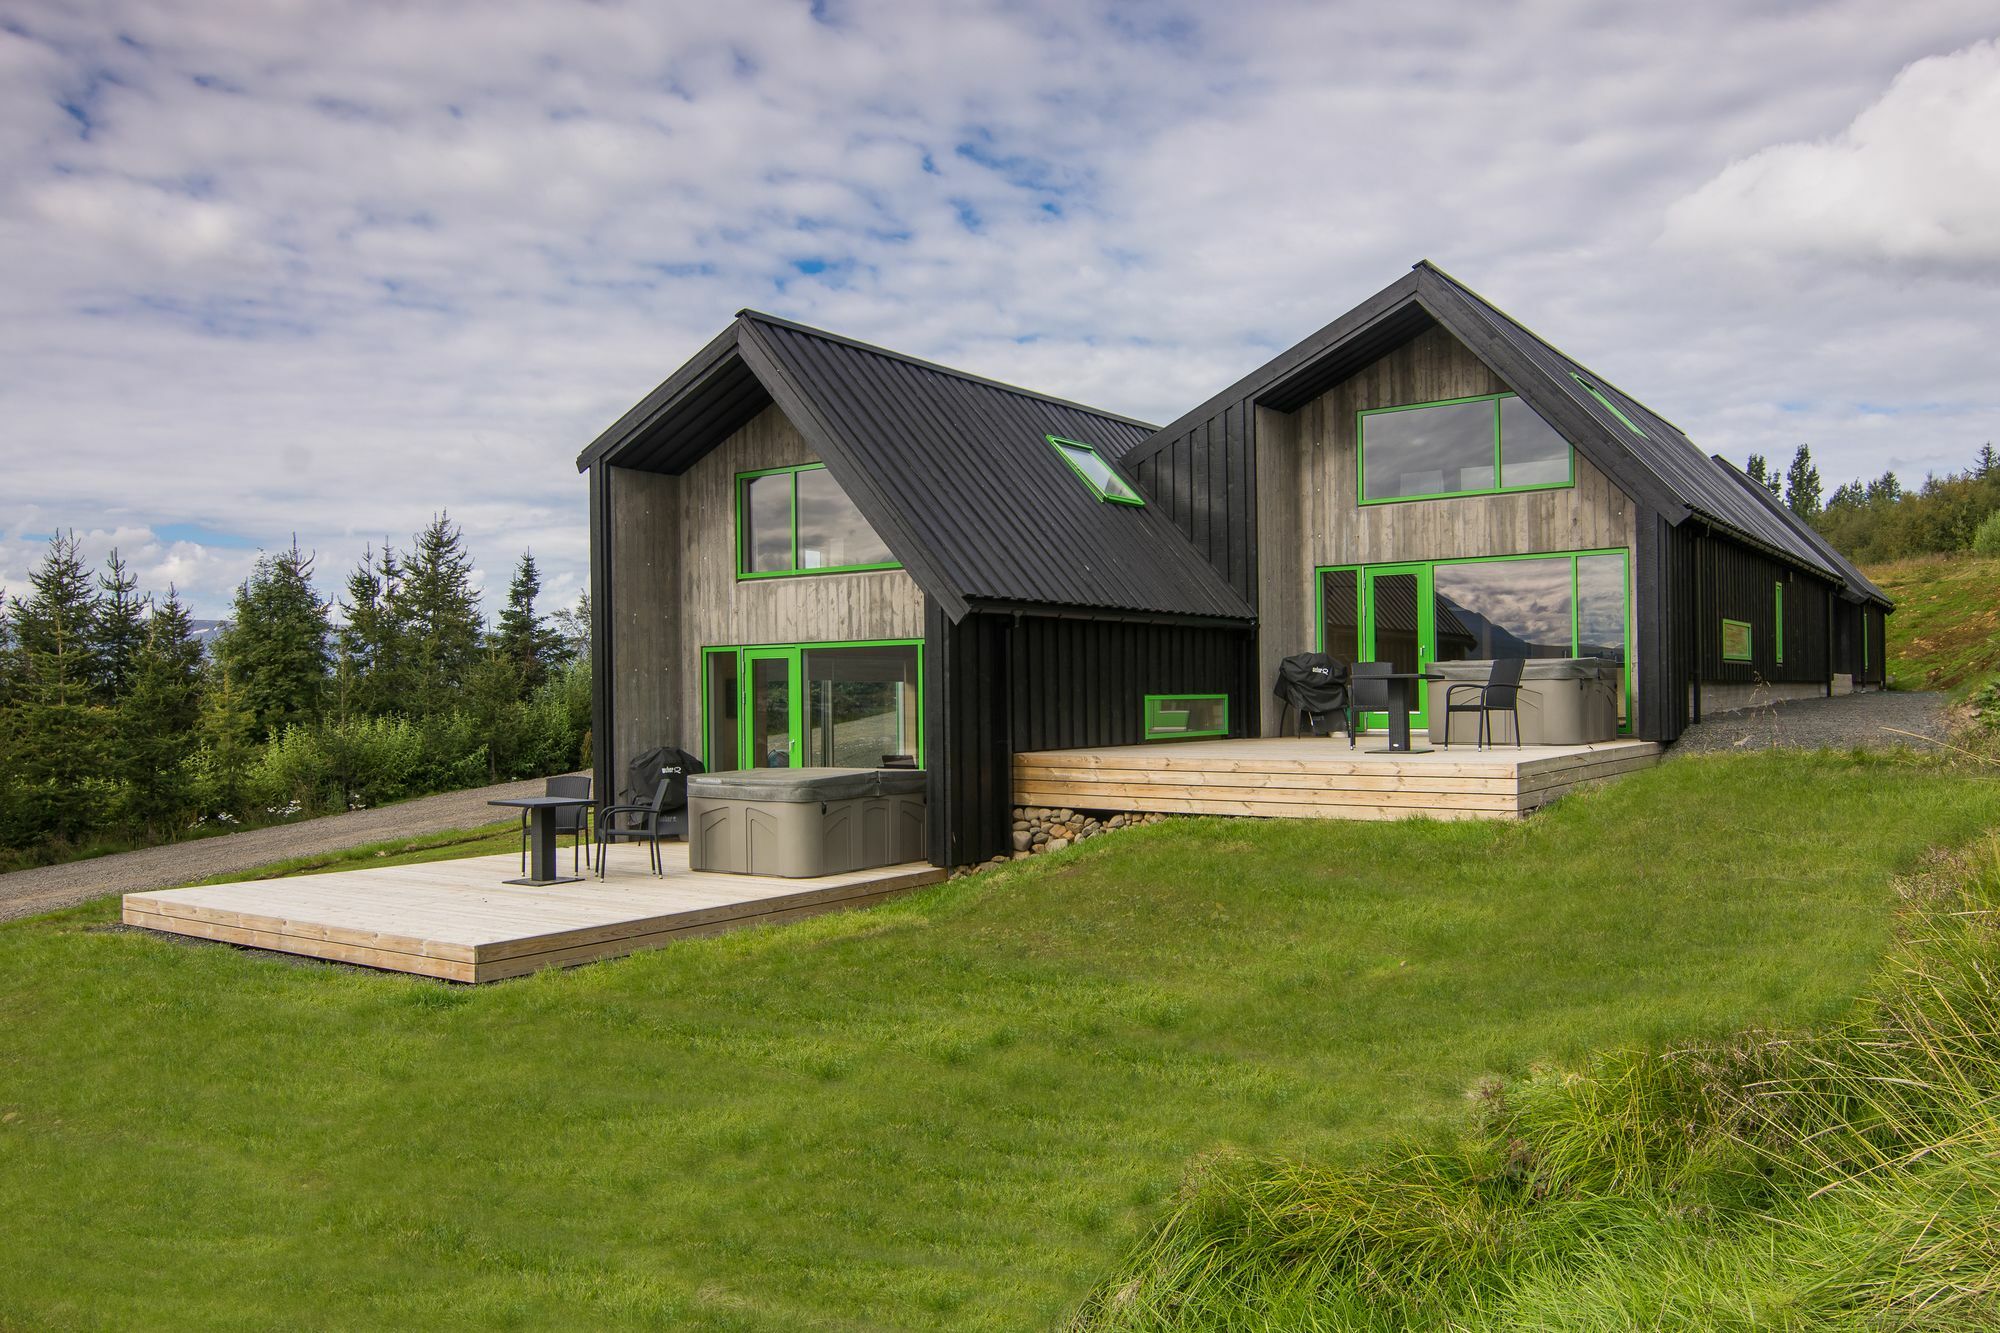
(574, 820)
(1367, 691)
(1500, 694)
(637, 822)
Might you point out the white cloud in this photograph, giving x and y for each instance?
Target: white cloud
(1915, 177)
(330, 268)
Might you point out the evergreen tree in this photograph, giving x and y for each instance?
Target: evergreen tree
(228, 735)
(275, 649)
(440, 617)
(522, 637)
(1847, 495)
(118, 630)
(158, 722)
(1987, 463)
(1885, 489)
(1802, 486)
(59, 737)
(1758, 469)
(492, 701)
(373, 653)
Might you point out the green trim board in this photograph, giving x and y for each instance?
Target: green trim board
(1778, 623)
(1609, 406)
(1500, 486)
(1180, 716)
(795, 569)
(793, 654)
(1095, 471)
(1736, 641)
(1365, 575)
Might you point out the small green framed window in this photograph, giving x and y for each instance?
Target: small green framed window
(1778, 623)
(1097, 474)
(1736, 641)
(1609, 406)
(798, 520)
(1179, 716)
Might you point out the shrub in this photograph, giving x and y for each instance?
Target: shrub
(1986, 538)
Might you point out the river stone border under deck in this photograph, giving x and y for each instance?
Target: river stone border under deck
(1052, 828)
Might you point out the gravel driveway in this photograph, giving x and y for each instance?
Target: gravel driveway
(46, 888)
(1877, 721)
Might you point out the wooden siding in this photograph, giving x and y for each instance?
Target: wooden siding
(1310, 503)
(1310, 778)
(673, 589)
(1734, 582)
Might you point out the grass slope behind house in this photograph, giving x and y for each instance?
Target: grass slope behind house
(1945, 633)
(958, 1109)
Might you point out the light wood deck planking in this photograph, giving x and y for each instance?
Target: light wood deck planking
(457, 920)
(1315, 778)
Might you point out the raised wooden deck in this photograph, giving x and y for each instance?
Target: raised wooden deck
(458, 921)
(1315, 778)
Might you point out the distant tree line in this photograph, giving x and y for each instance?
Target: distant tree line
(1879, 520)
(117, 728)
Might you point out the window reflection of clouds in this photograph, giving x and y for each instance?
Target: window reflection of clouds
(1427, 450)
(1600, 606)
(1511, 608)
(768, 510)
(832, 531)
(1531, 453)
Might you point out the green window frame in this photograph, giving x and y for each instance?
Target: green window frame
(795, 654)
(1737, 641)
(1499, 467)
(1627, 722)
(1169, 716)
(793, 569)
(1609, 406)
(1102, 479)
(1778, 623)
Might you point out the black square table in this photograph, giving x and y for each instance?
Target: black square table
(1402, 691)
(542, 836)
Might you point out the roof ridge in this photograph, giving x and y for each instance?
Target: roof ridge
(1599, 380)
(891, 354)
(1850, 573)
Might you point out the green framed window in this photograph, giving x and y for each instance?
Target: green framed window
(1459, 446)
(1609, 406)
(1089, 465)
(844, 704)
(1778, 622)
(798, 520)
(1179, 716)
(1736, 641)
(1552, 604)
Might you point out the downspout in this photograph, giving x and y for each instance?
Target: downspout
(1694, 640)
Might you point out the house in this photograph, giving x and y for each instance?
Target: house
(806, 550)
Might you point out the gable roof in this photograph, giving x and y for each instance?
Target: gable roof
(1650, 458)
(1860, 587)
(952, 470)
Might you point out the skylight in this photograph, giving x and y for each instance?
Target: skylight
(1104, 483)
(1609, 406)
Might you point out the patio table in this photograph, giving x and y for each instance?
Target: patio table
(1402, 692)
(542, 836)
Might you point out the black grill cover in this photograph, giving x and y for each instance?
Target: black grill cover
(643, 775)
(1313, 683)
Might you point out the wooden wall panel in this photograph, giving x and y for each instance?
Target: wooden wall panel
(646, 666)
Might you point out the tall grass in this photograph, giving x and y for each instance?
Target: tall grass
(1846, 1177)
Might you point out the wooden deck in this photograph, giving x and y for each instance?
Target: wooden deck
(458, 921)
(1314, 778)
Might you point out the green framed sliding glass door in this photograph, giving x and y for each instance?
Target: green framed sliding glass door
(812, 705)
(1380, 613)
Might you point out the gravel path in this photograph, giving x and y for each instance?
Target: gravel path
(1875, 721)
(46, 888)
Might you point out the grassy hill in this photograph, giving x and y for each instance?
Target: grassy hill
(957, 1110)
(1945, 633)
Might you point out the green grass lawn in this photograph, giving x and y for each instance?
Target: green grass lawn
(957, 1109)
(1945, 634)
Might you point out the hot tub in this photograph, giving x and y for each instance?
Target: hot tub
(798, 823)
(1564, 701)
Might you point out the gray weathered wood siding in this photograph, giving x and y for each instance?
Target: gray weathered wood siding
(1310, 515)
(675, 590)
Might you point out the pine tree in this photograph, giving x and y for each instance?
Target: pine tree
(1758, 469)
(276, 649)
(228, 733)
(158, 722)
(1802, 486)
(522, 636)
(440, 616)
(371, 641)
(1987, 463)
(1885, 489)
(59, 737)
(492, 699)
(118, 630)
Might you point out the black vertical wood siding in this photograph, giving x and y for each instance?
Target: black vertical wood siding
(996, 684)
(1204, 481)
(1735, 582)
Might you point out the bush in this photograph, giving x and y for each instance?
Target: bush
(1986, 538)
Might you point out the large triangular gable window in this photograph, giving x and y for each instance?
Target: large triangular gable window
(1097, 474)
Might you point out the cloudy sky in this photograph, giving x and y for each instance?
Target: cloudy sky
(328, 268)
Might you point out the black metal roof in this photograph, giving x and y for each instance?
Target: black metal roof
(954, 471)
(1860, 587)
(1657, 464)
